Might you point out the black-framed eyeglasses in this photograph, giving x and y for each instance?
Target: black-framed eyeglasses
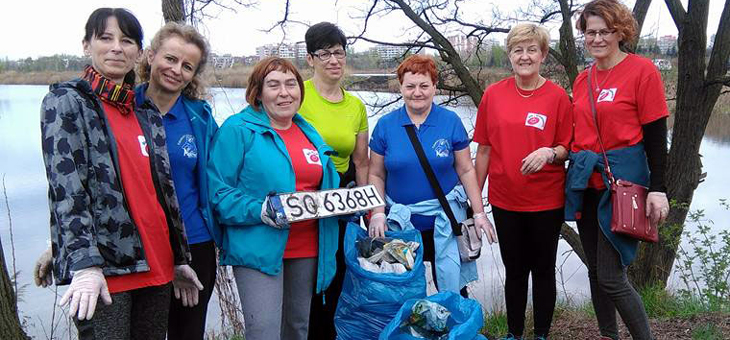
(325, 55)
(604, 33)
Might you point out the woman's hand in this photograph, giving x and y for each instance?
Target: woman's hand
(86, 286)
(42, 271)
(186, 285)
(377, 227)
(482, 222)
(537, 159)
(657, 207)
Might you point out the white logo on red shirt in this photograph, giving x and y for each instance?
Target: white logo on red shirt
(312, 156)
(607, 95)
(536, 120)
(143, 145)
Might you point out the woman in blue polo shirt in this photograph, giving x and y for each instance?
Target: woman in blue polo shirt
(397, 173)
(172, 69)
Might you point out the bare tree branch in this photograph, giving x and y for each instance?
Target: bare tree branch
(676, 9)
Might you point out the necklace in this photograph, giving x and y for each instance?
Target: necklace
(599, 85)
(534, 89)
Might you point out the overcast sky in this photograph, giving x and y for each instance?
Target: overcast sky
(32, 28)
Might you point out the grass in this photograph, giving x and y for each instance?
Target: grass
(495, 324)
(707, 331)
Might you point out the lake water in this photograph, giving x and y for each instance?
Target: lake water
(21, 167)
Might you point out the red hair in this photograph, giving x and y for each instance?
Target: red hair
(417, 64)
(259, 73)
(616, 15)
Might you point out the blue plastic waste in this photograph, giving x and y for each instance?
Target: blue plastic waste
(464, 323)
(370, 300)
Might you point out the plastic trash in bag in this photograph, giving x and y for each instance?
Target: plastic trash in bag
(369, 301)
(387, 249)
(464, 322)
(427, 321)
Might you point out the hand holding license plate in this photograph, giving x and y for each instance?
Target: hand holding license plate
(306, 205)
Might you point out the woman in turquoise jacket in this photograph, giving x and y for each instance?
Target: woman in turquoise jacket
(268, 148)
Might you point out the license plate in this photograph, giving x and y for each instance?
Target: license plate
(307, 205)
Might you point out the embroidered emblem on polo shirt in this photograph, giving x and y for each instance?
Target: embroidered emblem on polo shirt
(143, 145)
(607, 95)
(441, 147)
(536, 120)
(187, 144)
(312, 156)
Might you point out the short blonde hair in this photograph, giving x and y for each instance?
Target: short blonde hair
(526, 32)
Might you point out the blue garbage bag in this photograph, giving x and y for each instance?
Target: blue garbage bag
(370, 300)
(464, 323)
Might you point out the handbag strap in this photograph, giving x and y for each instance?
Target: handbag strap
(592, 102)
(411, 130)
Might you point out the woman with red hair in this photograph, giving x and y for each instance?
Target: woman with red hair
(396, 172)
(629, 122)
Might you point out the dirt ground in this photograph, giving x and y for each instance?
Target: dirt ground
(583, 327)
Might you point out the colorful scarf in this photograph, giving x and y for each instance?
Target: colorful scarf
(119, 96)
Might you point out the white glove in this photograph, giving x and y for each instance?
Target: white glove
(268, 216)
(86, 286)
(481, 221)
(186, 285)
(657, 207)
(536, 160)
(42, 271)
(377, 227)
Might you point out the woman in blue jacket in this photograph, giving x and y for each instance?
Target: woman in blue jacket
(267, 148)
(171, 71)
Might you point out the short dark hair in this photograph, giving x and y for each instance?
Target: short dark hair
(324, 35)
(128, 23)
(259, 73)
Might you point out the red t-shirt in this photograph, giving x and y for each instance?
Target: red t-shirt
(141, 198)
(630, 95)
(302, 241)
(514, 127)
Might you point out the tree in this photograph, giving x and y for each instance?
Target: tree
(699, 83)
(10, 327)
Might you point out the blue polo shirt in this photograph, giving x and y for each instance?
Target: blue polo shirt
(441, 134)
(183, 153)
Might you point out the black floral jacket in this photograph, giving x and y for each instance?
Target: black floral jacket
(90, 221)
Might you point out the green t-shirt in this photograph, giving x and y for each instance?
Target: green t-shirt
(338, 123)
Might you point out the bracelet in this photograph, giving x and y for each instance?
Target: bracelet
(555, 155)
(479, 215)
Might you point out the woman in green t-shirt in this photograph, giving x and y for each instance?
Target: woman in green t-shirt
(341, 119)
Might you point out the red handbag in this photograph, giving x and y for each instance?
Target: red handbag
(628, 216)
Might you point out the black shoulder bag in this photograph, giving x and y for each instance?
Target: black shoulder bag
(467, 237)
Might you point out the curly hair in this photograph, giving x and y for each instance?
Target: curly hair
(261, 70)
(616, 15)
(418, 64)
(196, 89)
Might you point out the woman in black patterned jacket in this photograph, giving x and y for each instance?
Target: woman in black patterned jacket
(115, 219)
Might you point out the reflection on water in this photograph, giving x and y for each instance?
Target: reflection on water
(22, 166)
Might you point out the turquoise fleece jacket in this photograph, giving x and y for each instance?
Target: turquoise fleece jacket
(247, 161)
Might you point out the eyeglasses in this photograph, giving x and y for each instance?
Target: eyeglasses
(604, 33)
(325, 55)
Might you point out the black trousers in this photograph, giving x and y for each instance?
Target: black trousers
(137, 314)
(528, 243)
(189, 322)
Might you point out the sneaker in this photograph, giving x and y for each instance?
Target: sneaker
(540, 338)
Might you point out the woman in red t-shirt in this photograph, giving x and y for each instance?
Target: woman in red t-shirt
(631, 113)
(524, 127)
